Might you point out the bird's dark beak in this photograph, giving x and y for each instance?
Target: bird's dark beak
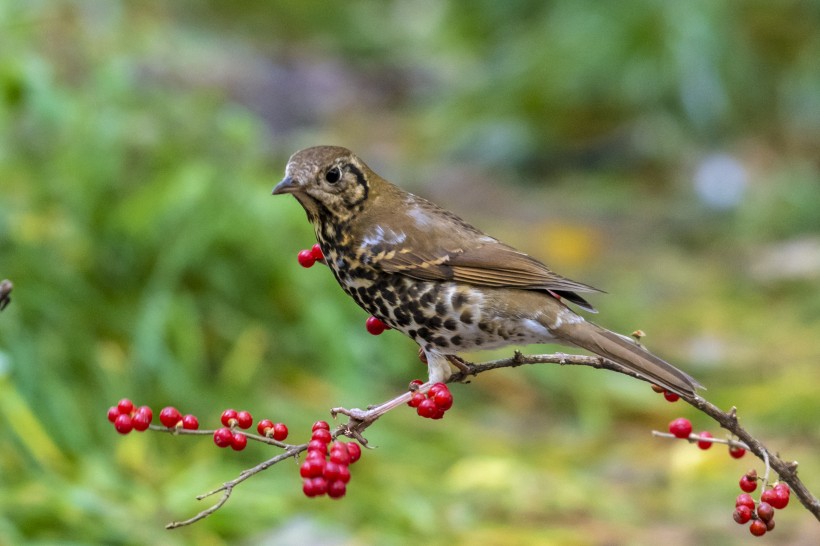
(287, 185)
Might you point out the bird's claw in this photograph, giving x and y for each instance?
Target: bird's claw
(354, 413)
(463, 366)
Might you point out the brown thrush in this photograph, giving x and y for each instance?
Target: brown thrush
(449, 286)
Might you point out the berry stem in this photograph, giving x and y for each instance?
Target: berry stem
(693, 438)
(179, 431)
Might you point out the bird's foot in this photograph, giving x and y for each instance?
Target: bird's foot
(361, 419)
(355, 414)
(466, 368)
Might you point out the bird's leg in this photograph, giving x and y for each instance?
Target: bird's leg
(361, 419)
(438, 369)
(463, 366)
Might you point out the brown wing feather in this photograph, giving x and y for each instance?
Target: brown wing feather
(449, 249)
(501, 265)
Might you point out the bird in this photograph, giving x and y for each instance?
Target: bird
(447, 285)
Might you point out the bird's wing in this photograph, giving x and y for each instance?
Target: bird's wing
(439, 246)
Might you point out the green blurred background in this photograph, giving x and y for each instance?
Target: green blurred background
(666, 152)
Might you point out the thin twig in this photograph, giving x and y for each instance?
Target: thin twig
(693, 438)
(5, 293)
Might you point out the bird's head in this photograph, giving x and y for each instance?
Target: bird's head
(330, 182)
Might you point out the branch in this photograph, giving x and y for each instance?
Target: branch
(5, 293)
(358, 420)
(728, 420)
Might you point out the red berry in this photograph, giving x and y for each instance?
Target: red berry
(319, 485)
(443, 399)
(141, 420)
(703, 444)
(280, 432)
(227, 416)
(190, 422)
(427, 408)
(316, 252)
(417, 382)
(264, 427)
(169, 416)
(311, 468)
(781, 496)
(320, 424)
(305, 258)
(238, 441)
(736, 452)
(680, 428)
(123, 423)
(244, 419)
(355, 451)
(331, 471)
(339, 454)
(778, 498)
(336, 489)
(314, 487)
(748, 485)
(316, 456)
(344, 473)
(321, 435)
(223, 437)
(770, 524)
(416, 399)
(318, 445)
(113, 413)
(375, 326)
(757, 528)
(783, 486)
(765, 511)
(125, 406)
(745, 499)
(435, 389)
(145, 410)
(670, 396)
(742, 514)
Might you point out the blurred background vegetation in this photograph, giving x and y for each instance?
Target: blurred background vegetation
(666, 152)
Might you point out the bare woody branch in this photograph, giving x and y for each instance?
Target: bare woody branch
(358, 420)
(787, 470)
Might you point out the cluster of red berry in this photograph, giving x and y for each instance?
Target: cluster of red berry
(432, 404)
(126, 417)
(229, 436)
(682, 428)
(310, 256)
(761, 516)
(323, 475)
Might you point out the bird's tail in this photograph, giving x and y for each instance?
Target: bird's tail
(629, 354)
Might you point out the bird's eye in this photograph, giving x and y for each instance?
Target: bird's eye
(333, 175)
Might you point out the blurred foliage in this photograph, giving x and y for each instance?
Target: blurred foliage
(663, 151)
